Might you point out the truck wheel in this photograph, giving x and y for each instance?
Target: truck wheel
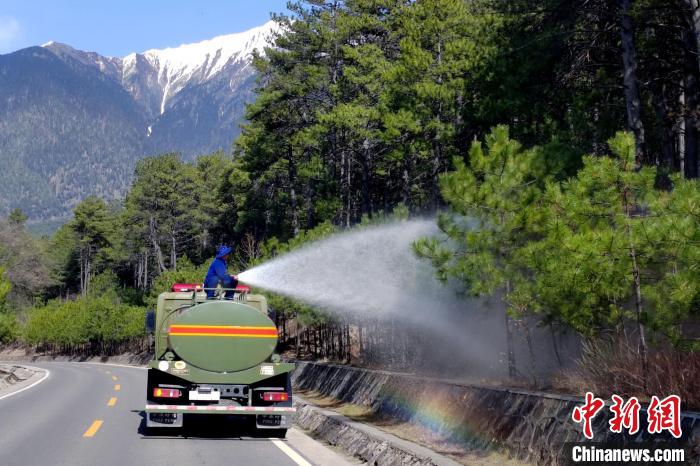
(155, 431)
(275, 433)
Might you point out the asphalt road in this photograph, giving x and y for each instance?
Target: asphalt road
(92, 414)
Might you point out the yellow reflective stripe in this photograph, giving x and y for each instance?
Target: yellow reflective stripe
(220, 335)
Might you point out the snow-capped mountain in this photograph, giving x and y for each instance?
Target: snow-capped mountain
(173, 69)
(155, 76)
(74, 123)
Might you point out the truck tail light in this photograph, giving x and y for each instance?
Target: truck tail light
(275, 396)
(166, 393)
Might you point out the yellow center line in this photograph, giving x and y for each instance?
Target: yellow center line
(92, 430)
(117, 387)
(112, 401)
(114, 377)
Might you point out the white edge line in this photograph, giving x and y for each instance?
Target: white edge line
(46, 374)
(287, 450)
(19, 363)
(107, 364)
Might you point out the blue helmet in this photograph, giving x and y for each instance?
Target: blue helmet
(222, 250)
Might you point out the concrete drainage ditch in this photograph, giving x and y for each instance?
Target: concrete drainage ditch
(530, 426)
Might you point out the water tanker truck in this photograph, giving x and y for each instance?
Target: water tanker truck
(216, 356)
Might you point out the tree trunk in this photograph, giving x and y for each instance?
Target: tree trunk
(406, 178)
(283, 317)
(638, 308)
(555, 346)
(694, 6)
(309, 199)
(292, 175)
(85, 270)
(530, 350)
(297, 343)
(173, 252)
(348, 344)
(88, 274)
(510, 349)
(660, 103)
(643, 350)
(681, 133)
(690, 111)
(366, 175)
(633, 98)
(82, 274)
(437, 140)
(145, 268)
(512, 372)
(346, 184)
(138, 274)
(316, 343)
(154, 242)
(435, 175)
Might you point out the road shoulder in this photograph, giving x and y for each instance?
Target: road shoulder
(15, 378)
(363, 441)
(319, 452)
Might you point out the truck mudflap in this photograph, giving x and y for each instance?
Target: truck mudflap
(204, 409)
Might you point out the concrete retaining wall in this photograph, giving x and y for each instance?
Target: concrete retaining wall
(531, 426)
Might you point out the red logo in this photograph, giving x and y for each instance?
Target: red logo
(587, 412)
(661, 415)
(624, 415)
(665, 415)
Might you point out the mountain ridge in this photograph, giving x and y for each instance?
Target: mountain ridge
(74, 123)
(173, 68)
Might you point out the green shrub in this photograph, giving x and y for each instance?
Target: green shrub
(9, 330)
(100, 319)
(186, 273)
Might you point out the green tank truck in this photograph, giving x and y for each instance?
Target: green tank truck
(214, 357)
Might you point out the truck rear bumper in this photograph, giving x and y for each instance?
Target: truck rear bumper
(214, 409)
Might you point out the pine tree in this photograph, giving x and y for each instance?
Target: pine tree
(490, 200)
(162, 215)
(94, 229)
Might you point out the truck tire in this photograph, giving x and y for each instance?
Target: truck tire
(157, 431)
(275, 433)
(252, 428)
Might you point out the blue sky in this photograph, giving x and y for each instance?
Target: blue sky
(119, 27)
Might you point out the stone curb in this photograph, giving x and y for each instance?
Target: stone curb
(362, 441)
(16, 377)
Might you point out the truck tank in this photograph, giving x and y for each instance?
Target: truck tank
(222, 336)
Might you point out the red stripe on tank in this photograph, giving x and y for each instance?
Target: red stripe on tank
(204, 330)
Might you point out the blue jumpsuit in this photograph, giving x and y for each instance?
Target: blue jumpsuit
(216, 274)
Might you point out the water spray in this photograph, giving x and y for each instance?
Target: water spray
(372, 273)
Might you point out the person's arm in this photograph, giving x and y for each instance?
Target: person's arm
(226, 280)
(233, 282)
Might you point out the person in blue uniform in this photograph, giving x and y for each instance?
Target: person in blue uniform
(218, 273)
